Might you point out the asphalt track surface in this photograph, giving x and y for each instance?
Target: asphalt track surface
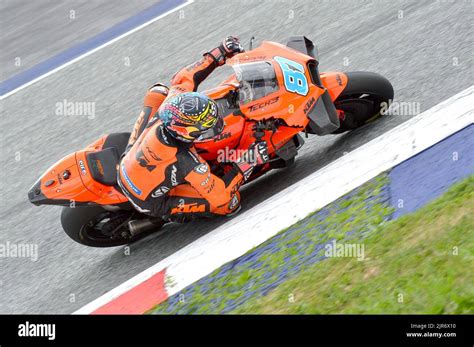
(425, 51)
(36, 30)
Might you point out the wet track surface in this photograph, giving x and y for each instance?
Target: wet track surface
(424, 50)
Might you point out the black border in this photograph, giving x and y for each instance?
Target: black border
(240, 329)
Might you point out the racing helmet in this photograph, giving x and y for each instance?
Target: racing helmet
(191, 117)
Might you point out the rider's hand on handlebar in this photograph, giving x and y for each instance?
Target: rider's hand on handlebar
(231, 45)
(257, 154)
(260, 152)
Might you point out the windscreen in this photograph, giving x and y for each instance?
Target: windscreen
(256, 80)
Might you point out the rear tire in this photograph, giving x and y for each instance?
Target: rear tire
(362, 98)
(89, 226)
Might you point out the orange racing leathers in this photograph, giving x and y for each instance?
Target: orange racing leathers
(164, 177)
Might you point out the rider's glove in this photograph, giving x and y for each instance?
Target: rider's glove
(257, 154)
(231, 46)
(227, 49)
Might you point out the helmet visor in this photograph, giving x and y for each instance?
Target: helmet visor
(208, 134)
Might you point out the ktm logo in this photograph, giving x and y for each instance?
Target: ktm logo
(222, 136)
(189, 208)
(309, 104)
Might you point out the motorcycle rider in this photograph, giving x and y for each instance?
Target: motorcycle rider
(161, 172)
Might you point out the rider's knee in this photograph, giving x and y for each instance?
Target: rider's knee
(231, 208)
(156, 95)
(159, 88)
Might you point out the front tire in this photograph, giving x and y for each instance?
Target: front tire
(362, 99)
(96, 227)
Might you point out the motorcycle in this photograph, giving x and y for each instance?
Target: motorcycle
(275, 94)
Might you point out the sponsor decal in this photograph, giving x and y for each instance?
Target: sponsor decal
(258, 57)
(96, 165)
(222, 136)
(179, 88)
(174, 181)
(83, 168)
(234, 202)
(127, 194)
(129, 181)
(339, 80)
(189, 208)
(206, 181)
(263, 104)
(213, 184)
(201, 168)
(160, 192)
(143, 160)
(152, 154)
(309, 105)
(100, 167)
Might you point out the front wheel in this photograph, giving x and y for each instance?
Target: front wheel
(96, 227)
(362, 100)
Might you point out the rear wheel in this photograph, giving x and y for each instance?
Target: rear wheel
(362, 100)
(96, 227)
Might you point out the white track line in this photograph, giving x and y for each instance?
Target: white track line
(253, 227)
(95, 49)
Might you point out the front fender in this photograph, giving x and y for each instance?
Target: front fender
(335, 82)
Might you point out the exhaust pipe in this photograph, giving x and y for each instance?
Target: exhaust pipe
(139, 226)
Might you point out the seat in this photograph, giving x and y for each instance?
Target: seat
(103, 164)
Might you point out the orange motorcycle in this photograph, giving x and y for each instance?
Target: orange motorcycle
(274, 93)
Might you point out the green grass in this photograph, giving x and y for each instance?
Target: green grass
(409, 266)
(297, 244)
(420, 263)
